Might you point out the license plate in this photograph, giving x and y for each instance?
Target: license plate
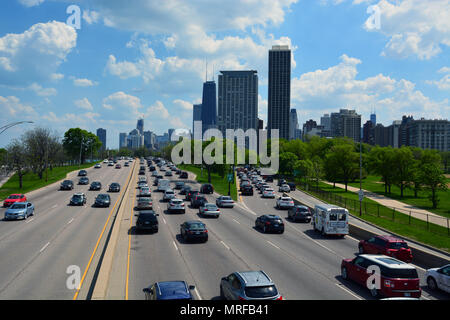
(275, 225)
(146, 222)
(407, 294)
(197, 233)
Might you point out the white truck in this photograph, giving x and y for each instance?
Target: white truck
(330, 220)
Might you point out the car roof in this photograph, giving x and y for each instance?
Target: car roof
(16, 194)
(22, 202)
(255, 278)
(194, 221)
(79, 194)
(390, 238)
(271, 216)
(173, 289)
(387, 261)
(285, 198)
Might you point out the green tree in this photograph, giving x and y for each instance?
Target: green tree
(304, 169)
(78, 143)
(346, 161)
(403, 164)
(433, 180)
(287, 161)
(380, 162)
(17, 159)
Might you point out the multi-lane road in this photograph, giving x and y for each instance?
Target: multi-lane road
(36, 252)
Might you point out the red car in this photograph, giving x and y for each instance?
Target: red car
(14, 198)
(387, 245)
(395, 278)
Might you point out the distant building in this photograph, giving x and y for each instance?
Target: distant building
(325, 121)
(140, 126)
(101, 134)
(373, 118)
(170, 132)
(368, 133)
(123, 137)
(293, 123)
(135, 140)
(197, 116)
(430, 134)
(279, 90)
(149, 140)
(346, 123)
(209, 106)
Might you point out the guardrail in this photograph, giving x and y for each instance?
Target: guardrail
(422, 257)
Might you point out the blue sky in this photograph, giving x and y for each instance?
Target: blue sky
(147, 58)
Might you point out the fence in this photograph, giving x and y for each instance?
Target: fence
(435, 224)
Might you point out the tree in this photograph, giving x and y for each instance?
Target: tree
(317, 169)
(380, 161)
(78, 143)
(403, 163)
(304, 169)
(445, 155)
(17, 159)
(287, 161)
(345, 161)
(434, 180)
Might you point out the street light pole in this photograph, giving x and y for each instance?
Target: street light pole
(360, 176)
(4, 128)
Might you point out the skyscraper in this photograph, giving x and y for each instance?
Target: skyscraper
(101, 134)
(373, 119)
(293, 123)
(196, 116)
(346, 123)
(279, 95)
(140, 126)
(209, 106)
(238, 100)
(123, 140)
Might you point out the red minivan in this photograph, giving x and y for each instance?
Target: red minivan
(396, 278)
(387, 245)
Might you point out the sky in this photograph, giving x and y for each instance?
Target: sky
(105, 63)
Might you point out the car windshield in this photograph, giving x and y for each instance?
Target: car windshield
(67, 181)
(398, 245)
(226, 198)
(196, 226)
(14, 197)
(211, 207)
(103, 196)
(18, 206)
(261, 292)
(77, 196)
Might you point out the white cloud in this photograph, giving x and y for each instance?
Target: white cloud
(30, 3)
(158, 111)
(91, 16)
(184, 104)
(11, 107)
(43, 92)
(83, 82)
(46, 43)
(123, 106)
(444, 82)
(84, 104)
(56, 76)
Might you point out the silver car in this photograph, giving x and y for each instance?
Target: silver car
(168, 195)
(439, 278)
(285, 203)
(209, 209)
(144, 192)
(284, 188)
(145, 203)
(249, 285)
(19, 210)
(268, 193)
(176, 205)
(168, 174)
(225, 201)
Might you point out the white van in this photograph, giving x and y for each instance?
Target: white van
(163, 185)
(330, 219)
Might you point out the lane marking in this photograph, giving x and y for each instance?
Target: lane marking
(273, 245)
(164, 220)
(236, 221)
(70, 221)
(129, 244)
(44, 247)
(225, 245)
(348, 291)
(198, 294)
(175, 245)
(29, 220)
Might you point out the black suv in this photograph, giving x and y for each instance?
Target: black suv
(183, 175)
(197, 201)
(152, 168)
(83, 180)
(190, 194)
(269, 222)
(114, 187)
(291, 185)
(247, 190)
(66, 185)
(147, 220)
(191, 230)
(78, 199)
(82, 173)
(102, 200)
(185, 189)
(206, 188)
(299, 212)
(96, 185)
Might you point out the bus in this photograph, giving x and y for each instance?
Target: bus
(330, 220)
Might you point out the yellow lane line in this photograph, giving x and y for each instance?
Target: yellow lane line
(129, 246)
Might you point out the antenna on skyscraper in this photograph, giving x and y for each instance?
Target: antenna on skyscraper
(206, 73)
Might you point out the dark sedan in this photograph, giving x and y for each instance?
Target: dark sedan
(269, 222)
(247, 190)
(147, 220)
(83, 180)
(78, 199)
(207, 188)
(66, 185)
(194, 230)
(197, 201)
(96, 185)
(299, 213)
(82, 173)
(102, 200)
(114, 187)
(190, 194)
(185, 189)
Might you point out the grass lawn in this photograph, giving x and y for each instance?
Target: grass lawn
(372, 183)
(220, 184)
(32, 182)
(379, 215)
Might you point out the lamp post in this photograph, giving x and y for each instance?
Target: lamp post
(360, 177)
(5, 127)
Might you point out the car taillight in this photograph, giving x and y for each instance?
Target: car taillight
(267, 223)
(280, 298)
(206, 231)
(182, 204)
(242, 298)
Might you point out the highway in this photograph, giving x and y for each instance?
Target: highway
(37, 252)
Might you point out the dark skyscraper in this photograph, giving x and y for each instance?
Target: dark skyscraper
(209, 106)
(101, 134)
(196, 116)
(140, 126)
(279, 97)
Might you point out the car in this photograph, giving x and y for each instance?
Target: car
(66, 185)
(168, 174)
(268, 193)
(83, 180)
(142, 183)
(105, 161)
(168, 195)
(281, 182)
(299, 212)
(207, 188)
(13, 198)
(152, 168)
(118, 166)
(19, 210)
(247, 190)
(197, 200)
(249, 285)
(225, 202)
(387, 245)
(163, 185)
(78, 199)
(291, 185)
(208, 210)
(97, 166)
(176, 205)
(269, 222)
(169, 290)
(396, 278)
(183, 175)
(285, 203)
(110, 164)
(144, 192)
(96, 185)
(193, 230)
(284, 188)
(268, 179)
(244, 183)
(147, 220)
(141, 172)
(144, 203)
(179, 185)
(190, 194)
(102, 200)
(439, 278)
(114, 187)
(82, 173)
(185, 189)
(163, 169)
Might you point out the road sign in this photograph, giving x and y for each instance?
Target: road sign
(361, 195)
